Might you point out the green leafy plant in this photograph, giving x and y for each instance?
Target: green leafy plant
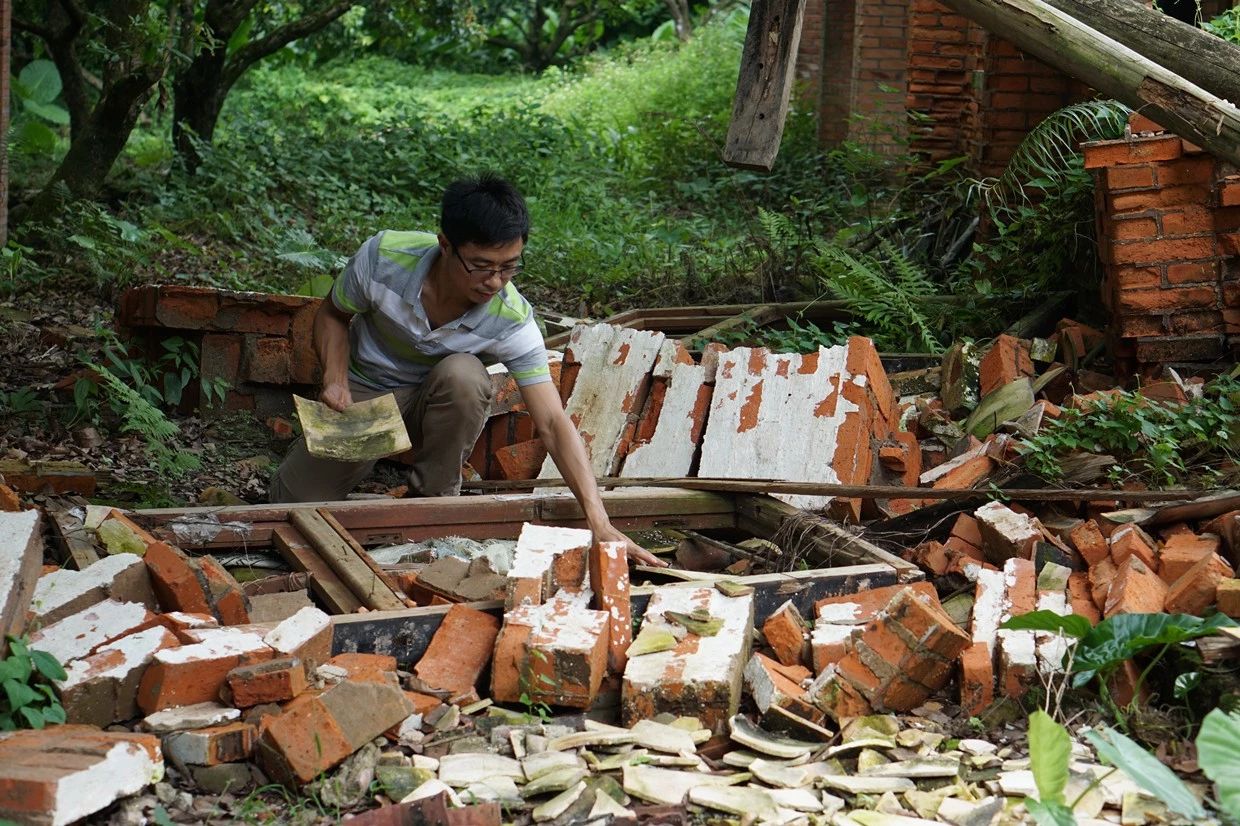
(1147, 771)
(20, 402)
(1160, 443)
(1226, 25)
(140, 417)
(35, 89)
(29, 699)
(1218, 754)
(1098, 651)
(1050, 750)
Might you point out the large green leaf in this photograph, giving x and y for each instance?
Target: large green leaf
(1122, 636)
(1050, 749)
(40, 81)
(1218, 753)
(1074, 625)
(1049, 814)
(48, 665)
(58, 115)
(18, 694)
(1146, 771)
(36, 137)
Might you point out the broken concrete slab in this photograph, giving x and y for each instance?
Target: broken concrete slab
(61, 774)
(701, 676)
(21, 560)
(122, 577)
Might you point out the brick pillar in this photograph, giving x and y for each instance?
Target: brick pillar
(809, 53)
(881, 74)
(836, 76)
(1169, 239)
(944, 51)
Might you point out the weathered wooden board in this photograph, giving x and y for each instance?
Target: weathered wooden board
(345, 558)
(767, 72)
(405, 634)
(328, 587)
(389, 521)
(610, 388)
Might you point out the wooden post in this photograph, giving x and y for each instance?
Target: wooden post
(768, 66)
(1062, 41)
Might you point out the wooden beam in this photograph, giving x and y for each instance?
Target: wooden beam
(391, 521)
(337, 552)
(362, 555)
(1165, 94)
(735, 486)
(69, 534)
(405, 634)
(768, 69)
(335, 595)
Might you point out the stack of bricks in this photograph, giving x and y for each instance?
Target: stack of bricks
(1169, 236)
(259, 343)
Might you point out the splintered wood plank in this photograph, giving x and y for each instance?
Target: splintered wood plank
(323, 580)
(767, 72)
(70, 535)
(359, 551)
(336, 551)
(776, 416)
(21, 560)
(667, 437)
(609, 391)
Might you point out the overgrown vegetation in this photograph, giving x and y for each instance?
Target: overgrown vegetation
(1158, 443)
(29, 699)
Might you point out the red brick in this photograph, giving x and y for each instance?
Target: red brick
(1195, 170)
(178, 583)
(1130, 540)
(1168, 300)
(1165, 249)
(275, 681)
(1229, 192)
(366, 668)
(1111, 153)
(460, 649)
(1089, 542)
(1140, 123)
(196, 673)
(1195, 591)
(867, 604)
(977, 679)
(609, 580)
(220, 358)
(1228, 596)
(1180, 348)
(1080, 597)
(1190, 219)
(302, 742)
(267, 360)
(786, 633)
(1135, 590)
(1182, 551)
(523, 460)
(1158, 199)
(1130, 177)
(1006, 361)
(186, 308)
(213, 745)
(229, 603)
(1133, 229)
(1192, 273)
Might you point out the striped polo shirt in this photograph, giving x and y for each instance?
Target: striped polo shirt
(391, 343)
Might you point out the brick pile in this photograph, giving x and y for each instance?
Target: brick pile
(1169, 236)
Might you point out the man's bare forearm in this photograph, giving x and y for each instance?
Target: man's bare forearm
(331, 342)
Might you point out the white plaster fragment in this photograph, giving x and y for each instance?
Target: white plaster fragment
(64, 586)
(291, 634)
(126, 769)
(79, 634)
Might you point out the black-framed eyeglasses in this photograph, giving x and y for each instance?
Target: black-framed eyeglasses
(502, 272)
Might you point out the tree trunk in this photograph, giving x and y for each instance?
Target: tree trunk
(1206, 59)
(197, 97)
(1166, 95)
(99, 144)
(6, 36)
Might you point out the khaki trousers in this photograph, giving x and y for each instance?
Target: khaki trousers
(444, 415)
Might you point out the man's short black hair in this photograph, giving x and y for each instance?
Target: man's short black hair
(485, 210)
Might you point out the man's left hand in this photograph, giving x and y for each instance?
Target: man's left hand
(635, 552)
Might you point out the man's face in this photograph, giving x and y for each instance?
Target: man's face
(484, 271)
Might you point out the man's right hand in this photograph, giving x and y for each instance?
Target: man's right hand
(336, 396)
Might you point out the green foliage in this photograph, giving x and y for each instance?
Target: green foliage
(1218, 753)
(140, 417)
(29, 699)
(888, 290)
(1146, 771)
(1049, 751)
(37, 116)
(1160, 443)
(1226, 25)
(1099, 651)
(20, 402)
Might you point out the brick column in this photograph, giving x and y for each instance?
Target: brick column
(944, 51)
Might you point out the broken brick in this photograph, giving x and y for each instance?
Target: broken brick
(977, 679)
(1089, 542)
(229, 603)
(1006, 361)
(1130, 540)
(80, 634)
(102, 689)
(196, 673)
(122, 577)
(459, 650)
(786, 634)
(179, 584)
(769, 685)
(555, 653)
(1195, 590)
(1006, 534)
(1228, 597)
(274, 681)
(609, 580)
(366, 668)
(228, 743)
(1135, 590)
(1182, 551)
(1080, 598)
(307, 635)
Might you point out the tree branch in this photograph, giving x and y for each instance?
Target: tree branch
(256, 50)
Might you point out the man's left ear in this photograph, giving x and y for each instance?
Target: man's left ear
(443, 243)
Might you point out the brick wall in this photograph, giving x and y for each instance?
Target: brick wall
(944, 56)
(809, 53)
(1169, 239)
(863, 81)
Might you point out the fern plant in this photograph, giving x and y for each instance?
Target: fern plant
(148, 422)
(888, 290)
